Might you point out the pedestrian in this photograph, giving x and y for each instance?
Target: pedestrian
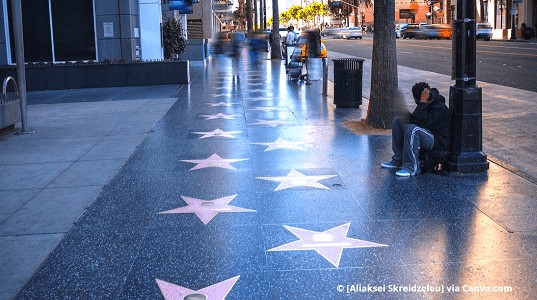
(290, 42)
(291, 38)
(428, 129)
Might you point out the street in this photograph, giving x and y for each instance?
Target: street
(506, 63)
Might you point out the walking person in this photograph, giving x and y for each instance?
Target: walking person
(428, 129)
(290, 43)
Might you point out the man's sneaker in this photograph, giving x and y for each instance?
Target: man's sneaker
(403, 173)
(390, 164)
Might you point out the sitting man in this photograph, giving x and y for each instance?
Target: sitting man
(428, 128)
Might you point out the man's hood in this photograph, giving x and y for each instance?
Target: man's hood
(436, 97)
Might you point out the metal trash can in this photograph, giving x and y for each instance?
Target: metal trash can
(348, 82)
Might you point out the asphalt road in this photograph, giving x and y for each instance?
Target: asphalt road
(512, 64)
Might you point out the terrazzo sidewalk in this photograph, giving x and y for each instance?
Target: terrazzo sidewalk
(250, 187)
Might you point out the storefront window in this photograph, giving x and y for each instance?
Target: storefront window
(71, 23)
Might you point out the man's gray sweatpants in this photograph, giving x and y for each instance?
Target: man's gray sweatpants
(406, 140)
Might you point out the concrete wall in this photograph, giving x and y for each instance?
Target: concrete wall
(120, 19)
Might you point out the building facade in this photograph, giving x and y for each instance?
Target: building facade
(97, 30)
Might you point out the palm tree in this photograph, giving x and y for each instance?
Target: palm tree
(384, 83)
(275, 52)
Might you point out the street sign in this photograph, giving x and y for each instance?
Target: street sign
(182, 6)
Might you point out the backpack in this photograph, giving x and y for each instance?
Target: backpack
(432, 161)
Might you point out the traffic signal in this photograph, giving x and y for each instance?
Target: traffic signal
(363, 18)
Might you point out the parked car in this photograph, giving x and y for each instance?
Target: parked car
(400, 29)
(351, 33)
(434, 31)
(484, 31)
(283, 33)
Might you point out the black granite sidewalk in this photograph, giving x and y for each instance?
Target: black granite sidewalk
(250, 187)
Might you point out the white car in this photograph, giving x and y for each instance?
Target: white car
(350, 33)
(484, 31)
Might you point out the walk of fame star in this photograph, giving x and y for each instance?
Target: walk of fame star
(217, 104)
(295, 178)
(206, 210)
(213, 161)
(219, 116)
(217, 133)
(261, 98)
(281, 144)
(216, 291)
(329, 244)
(271, 123)
(268, 108)
(223, 95)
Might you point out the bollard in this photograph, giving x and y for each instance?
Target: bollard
(325, 76)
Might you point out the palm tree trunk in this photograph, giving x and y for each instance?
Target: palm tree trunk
(381, 110)
(275, 46)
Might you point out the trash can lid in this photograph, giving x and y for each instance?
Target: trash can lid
(348, 59)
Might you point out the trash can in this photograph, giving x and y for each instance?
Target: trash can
(348, 82)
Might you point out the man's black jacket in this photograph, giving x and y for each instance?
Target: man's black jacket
(436, 117)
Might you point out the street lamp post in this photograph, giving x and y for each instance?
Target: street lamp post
(514, 12)
(465, 97)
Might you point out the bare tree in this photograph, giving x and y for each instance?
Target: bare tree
(381, 108)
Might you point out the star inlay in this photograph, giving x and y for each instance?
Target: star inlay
(295, 178)
(268, 108)
(260, 98)
(217, 133)
(222, 95)
(281, 144)
(206, 210)
(271, 123)
(219, 116)
(213, 161)
(217, 104)
(329, 244)
(216, 291)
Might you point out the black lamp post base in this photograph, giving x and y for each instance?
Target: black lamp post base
(467, 162)
(466, 151)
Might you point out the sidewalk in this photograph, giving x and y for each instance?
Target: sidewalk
(139, 196)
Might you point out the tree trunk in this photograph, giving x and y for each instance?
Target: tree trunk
(249, 21)
(381, 110)
(275, 45)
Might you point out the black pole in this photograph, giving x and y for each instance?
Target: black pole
(513, 19)
(16, 10)
(264, 14)
(256, 14)
(465, 97)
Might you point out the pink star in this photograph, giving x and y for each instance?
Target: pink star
(329, 243)
(295, 178)
(215, 291)
(213, 161)
(217, 133)
(219, 116)
(206, 210)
